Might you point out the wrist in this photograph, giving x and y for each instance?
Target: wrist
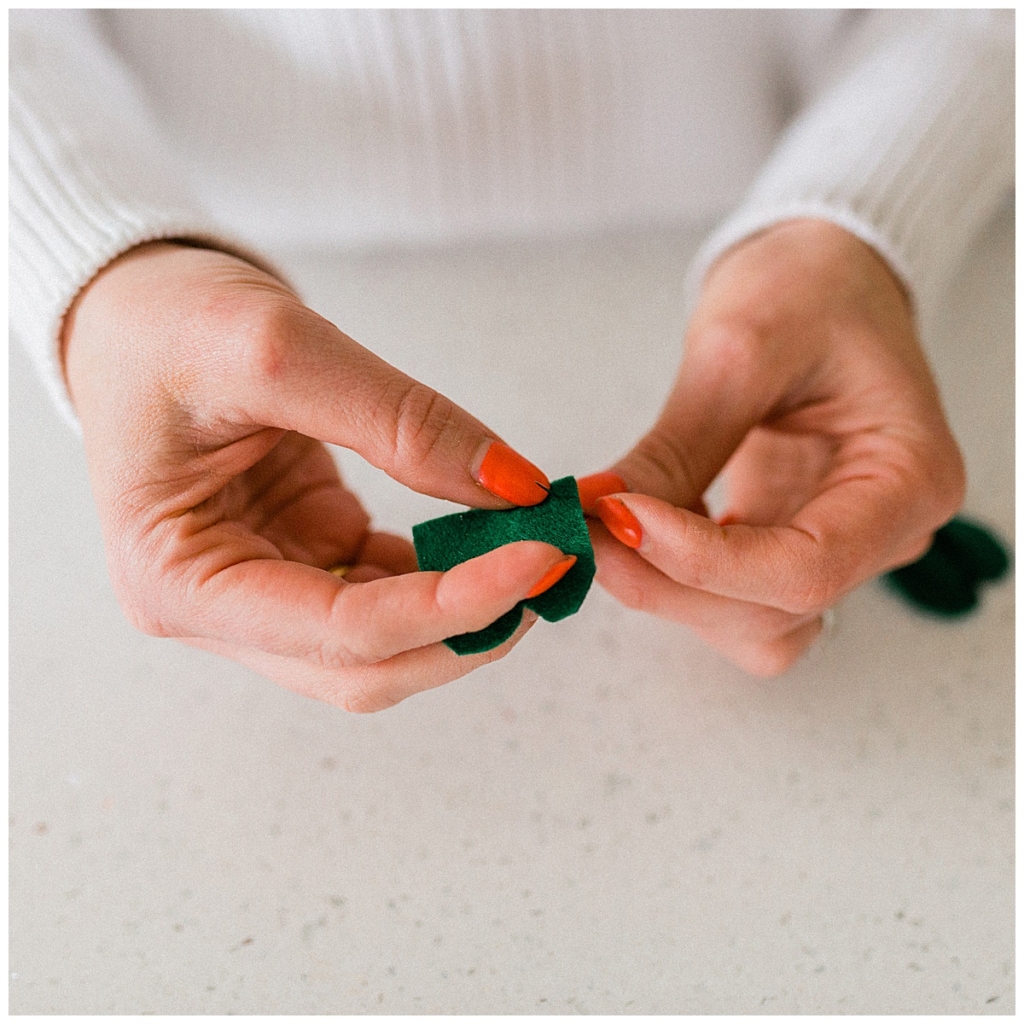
(801, 275)
(816, 245)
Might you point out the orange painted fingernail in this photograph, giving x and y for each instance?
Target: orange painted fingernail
(508, 475)
(621, 523)
(552, 576)
(597, 485)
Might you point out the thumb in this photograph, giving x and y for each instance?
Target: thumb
(721, 391)
(327, 386)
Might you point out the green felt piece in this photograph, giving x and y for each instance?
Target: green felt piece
(973, 544)
(558, 520)
(936, 583)
(946, 580)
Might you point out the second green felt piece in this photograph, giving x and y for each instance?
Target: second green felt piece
(558, 520)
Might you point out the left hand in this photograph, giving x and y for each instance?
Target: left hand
(205, 390)
(803, 377)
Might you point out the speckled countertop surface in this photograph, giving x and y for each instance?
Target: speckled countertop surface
(610, 820)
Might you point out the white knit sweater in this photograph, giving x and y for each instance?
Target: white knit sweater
(259, 130)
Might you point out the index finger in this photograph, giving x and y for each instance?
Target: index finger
(846, 534)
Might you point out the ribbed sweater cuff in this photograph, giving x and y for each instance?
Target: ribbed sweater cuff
(89, 179)
(912, 152)
(64, 229)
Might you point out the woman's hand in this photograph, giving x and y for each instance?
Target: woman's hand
(803, 377)
(204, 388)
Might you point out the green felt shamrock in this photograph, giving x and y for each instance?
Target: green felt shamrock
(558, 520)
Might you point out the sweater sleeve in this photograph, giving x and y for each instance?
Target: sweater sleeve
(90, 177)
(912, 150)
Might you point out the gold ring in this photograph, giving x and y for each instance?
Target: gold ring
(340, 570)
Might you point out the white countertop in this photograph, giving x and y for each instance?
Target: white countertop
(612, 819)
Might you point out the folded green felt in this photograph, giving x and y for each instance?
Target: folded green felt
(558, 520)
(946, 579)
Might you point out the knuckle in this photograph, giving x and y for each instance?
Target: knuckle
(733, 356)
(661, 467)
(737, 348)
(268, 335)
(341, 649)
(364, 700)
(770, 659)
(424, 422)
(334, 655)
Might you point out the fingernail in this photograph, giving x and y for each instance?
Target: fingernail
(552, 576)
(508, 475)
(597, 485)
(621, 523)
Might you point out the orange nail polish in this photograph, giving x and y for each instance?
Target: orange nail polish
(508, 475)
(621, 523)
(597, 485)
(552, 576)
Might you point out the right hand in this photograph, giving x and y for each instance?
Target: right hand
(204, 388)
(804, 379)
